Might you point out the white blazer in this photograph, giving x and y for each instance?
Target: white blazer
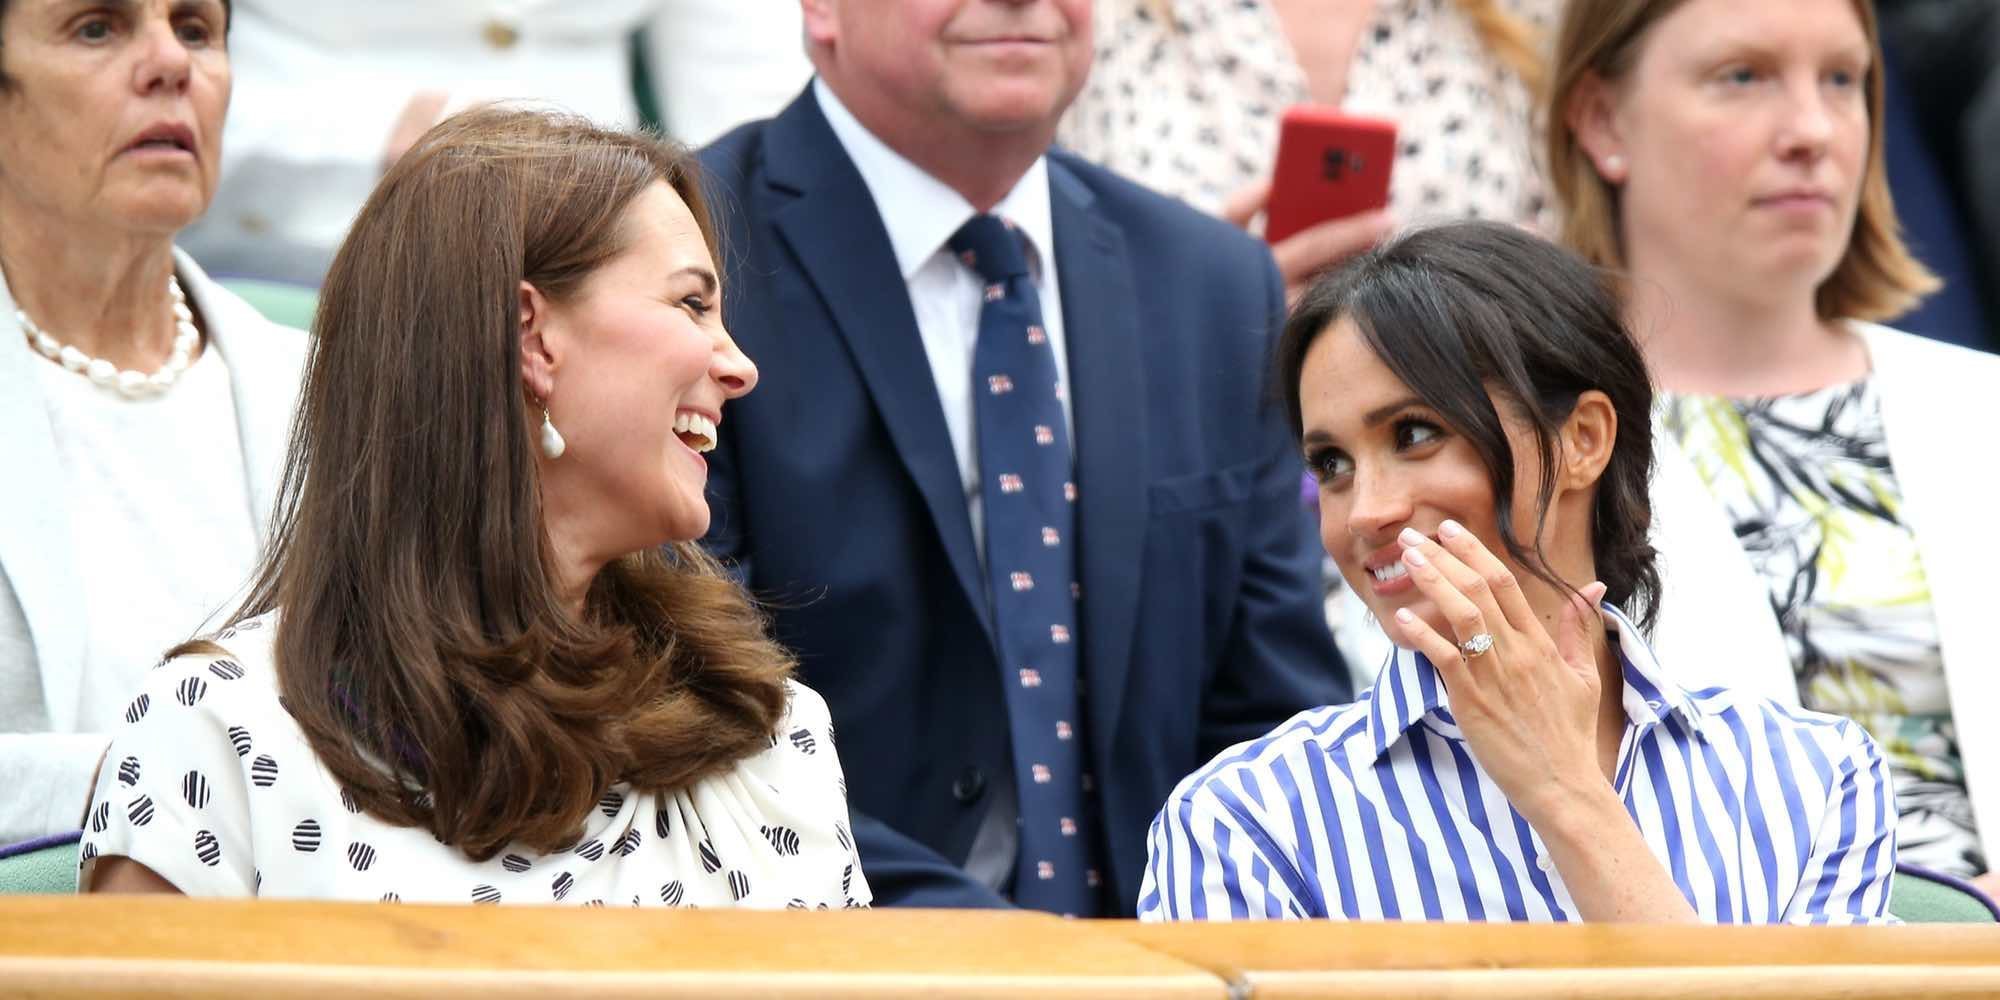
(1940, 407)
(319, 86)
(45, 761)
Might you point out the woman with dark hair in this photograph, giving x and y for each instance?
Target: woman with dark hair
(467, 670)
(1476, 415)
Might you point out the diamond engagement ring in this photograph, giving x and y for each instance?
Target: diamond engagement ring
(1476, 645)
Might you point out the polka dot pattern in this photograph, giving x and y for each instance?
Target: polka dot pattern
(248, 812)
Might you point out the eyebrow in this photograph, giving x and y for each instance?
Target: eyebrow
(1382, 413)
(126, 7)
(1372, 418)
(707, 278)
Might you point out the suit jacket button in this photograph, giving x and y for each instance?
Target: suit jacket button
(500, 34)
(969, 786)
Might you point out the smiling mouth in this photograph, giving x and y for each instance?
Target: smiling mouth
(1393, 571)
(695, 431)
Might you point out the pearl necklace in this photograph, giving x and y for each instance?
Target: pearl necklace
(104, 374)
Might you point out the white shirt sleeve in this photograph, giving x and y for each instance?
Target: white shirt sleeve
(716, 64)
(173, 794)
(47, 778)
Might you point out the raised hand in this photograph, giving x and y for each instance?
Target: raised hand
(1526, 701)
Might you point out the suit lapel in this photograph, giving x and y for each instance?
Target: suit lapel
(1107, 394)
(830, 222)
(35, 536)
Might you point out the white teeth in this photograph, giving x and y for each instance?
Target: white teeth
(1393, 571)
(699, 431)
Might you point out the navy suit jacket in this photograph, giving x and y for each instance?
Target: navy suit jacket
(836, 491)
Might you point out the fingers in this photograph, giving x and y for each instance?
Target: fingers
(1312, 250)
(1243, 205)
(1500, 582)
(1443, 653)
(1576, 634)
(1449, 585)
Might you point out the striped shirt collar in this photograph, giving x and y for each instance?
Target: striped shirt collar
(1409, 690)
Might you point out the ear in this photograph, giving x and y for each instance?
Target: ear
(1588, 437)
(822, 23)
(541, 353)
(1592, 116)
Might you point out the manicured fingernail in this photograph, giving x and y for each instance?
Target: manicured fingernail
(1449, 529)
(1411, 536)
(1405, 616)
(1414, 557)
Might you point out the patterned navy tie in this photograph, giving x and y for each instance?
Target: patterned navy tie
(1030, 503)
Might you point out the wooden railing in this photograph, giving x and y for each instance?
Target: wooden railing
(108, 945)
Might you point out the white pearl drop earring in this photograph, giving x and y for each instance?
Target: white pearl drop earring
(553, 444)
(1614, 167)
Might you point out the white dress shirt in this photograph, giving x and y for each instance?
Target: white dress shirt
(921, 214)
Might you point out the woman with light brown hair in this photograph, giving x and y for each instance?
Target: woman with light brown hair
(468, 670)
(1728, 157)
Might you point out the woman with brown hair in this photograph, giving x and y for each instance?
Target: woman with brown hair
(468, 671)
(1729, 158)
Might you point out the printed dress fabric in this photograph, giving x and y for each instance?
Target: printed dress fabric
(211, 784)
(1808, 483)
(1191, 108)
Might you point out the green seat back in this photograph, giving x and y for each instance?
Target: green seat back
(285, 304)
(51, 870)
(1920, 896)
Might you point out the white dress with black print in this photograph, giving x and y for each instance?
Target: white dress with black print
(211, 784)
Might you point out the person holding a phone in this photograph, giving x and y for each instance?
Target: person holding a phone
(1476, 416)
(1189, 98)
(1730, 157)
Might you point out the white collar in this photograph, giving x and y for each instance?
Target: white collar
(920, 211)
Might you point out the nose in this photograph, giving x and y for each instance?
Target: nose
(1808, 124)
(164, 64)
(1378, 504)
(731, 368)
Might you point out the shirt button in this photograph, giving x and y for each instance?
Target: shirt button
(500, 34)
(1544, 863)
(969, 785)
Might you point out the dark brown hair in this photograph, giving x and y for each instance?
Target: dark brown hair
(1471, 310)
(421, 644)
(1876, 279)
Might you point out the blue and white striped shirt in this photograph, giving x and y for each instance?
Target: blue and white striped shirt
(1376, 810)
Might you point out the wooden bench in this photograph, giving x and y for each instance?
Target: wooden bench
(71, 946)
(1496, 961)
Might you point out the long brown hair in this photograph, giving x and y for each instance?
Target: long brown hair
(420, 644)
(1876, 279)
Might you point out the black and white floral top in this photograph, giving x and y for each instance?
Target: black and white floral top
(1191, 108)
(211, 784)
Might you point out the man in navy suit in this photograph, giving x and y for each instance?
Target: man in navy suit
(849, 490)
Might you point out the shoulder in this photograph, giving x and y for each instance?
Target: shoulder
(226, 678)
(1313, 747)
(1815, 747)
(732, 157)
(1161, 225)
(806, 707)
(1896, 352)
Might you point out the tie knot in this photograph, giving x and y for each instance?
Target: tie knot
(991, 247)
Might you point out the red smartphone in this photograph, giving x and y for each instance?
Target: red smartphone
(1330, 165)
